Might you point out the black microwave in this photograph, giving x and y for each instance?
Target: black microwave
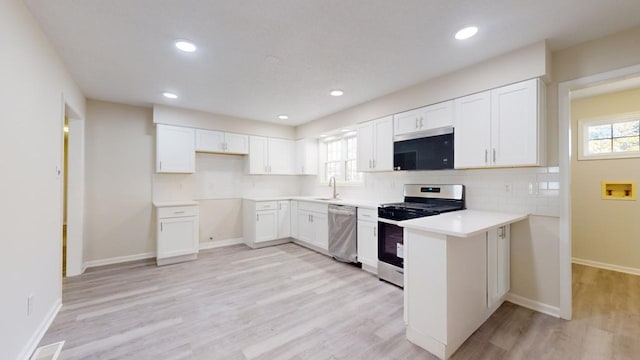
(426, 150)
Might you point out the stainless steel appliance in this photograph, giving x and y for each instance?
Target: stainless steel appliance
(425, 150)
(419, 201)
(342, 233)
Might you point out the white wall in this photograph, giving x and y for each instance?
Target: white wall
(119, 155)
(35, 85)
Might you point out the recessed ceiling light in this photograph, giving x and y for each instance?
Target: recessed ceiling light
(186, 46)
(169, 95)
(336, 92)
(466, 33)
(345, 130)
(283, 117)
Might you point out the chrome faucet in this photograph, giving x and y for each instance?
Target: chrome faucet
(335, 194)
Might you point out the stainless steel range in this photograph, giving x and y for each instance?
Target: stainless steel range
(420, 200)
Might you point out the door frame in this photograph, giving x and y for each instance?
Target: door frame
(565, 157)
(75, 190)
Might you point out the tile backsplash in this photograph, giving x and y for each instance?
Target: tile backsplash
(525, 190)
(528, 190)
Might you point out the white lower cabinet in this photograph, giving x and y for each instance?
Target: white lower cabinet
(498, 265)
(177, 234)
(313, 224)
(293, 215)
(284, 219)
(265, 221)
(368, 239)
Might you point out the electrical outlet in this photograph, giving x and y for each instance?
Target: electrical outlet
(29, 304)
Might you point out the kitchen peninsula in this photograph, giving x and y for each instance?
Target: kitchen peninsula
(456, 275)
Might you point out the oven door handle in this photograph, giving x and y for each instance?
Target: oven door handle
(388, 221)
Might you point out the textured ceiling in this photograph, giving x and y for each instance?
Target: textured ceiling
(258, 59)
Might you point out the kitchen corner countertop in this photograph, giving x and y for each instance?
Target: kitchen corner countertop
(463, 223)
(321, 200)
(160, 204)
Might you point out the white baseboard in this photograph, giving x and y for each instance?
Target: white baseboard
(220, 243)
(605, 266)
(41, 330)
(533, 305)
(119, 259)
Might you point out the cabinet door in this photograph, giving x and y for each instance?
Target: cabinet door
(365, 147)
(407, 122)
(294, 219)
(266, 225)
(306, 157)
(236, 143)
(175, 149)
(472, 130)
(280, 156)
(284, 219)
(177, 236)
(498, 264)
(305, 227)
(320, 224)
(209, 141)
(514, 124)
(437, 116)
(368, 243)
(383, 144)
(258, 152)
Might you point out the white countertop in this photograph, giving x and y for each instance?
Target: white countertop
(174, 203)
(318, 199)
(463, 223)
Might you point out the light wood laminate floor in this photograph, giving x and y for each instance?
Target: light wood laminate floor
(287, 302)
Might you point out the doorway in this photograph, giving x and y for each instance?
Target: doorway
(73, 193)
(567, 154)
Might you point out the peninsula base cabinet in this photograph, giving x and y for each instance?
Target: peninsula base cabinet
(266, 222)
(367, 234)
(449, 289)
(177, 234)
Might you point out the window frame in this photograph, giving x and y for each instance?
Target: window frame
(343, 162)
(583, 136)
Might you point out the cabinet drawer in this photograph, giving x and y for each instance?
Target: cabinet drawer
(177, 211)
(313, 207)
(367, 214)
(266, 205)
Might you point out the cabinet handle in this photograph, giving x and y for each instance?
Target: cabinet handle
(374, 232)
(374, 163)
(421, 122)
(257, 217)
(486, 156)
(226, 146)
(178, 212)
(160, 165)
(311, 216)
(269, 168)
(417, 120)
(160, 226)
(494, 155)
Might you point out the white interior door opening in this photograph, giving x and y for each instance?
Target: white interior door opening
(74, 196)
(565, 158)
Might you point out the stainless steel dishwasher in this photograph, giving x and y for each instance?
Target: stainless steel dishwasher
(342, 233)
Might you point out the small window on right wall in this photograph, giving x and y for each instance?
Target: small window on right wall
(609, 138)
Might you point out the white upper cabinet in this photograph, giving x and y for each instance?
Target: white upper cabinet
(375, 145)
(501, 127)
(270, 156)
(425, 118)
(306, 157)
(175, 149)
(221, 142)
(516, 125)
(473, 130)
